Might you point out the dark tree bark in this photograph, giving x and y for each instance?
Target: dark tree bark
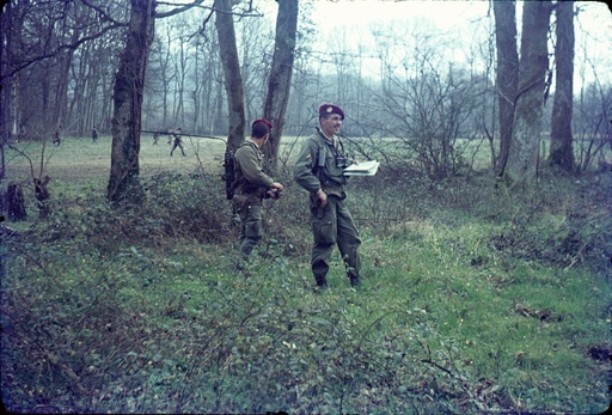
(15, 202)
(63, 64)
(561, 146)
(279, 81)
(521, 168)
(231, 68)
(124, 182)
(507, 74)
(41, 193)
(5, 85)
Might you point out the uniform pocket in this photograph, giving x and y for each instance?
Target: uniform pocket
(323, 231)
(252, 230)
(239, 202)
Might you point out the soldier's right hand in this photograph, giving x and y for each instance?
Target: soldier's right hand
(274, 194)
(322, 196)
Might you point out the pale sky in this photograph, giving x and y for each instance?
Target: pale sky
(355, 20)
(456, 20)
(446, 14)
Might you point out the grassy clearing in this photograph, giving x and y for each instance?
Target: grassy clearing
(81, 161)
(474, 299)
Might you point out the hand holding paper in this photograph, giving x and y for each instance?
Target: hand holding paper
(364, 168)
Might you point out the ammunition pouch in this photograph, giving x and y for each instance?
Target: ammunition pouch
(250, 190)
(335, 192)
(333, 189)
(241, 198)
(239, 202)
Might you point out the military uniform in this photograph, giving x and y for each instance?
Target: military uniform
(251, 184)
(319, 166)
(178, 141)
(57, 136)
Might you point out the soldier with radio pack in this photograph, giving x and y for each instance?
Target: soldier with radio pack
(250, 186)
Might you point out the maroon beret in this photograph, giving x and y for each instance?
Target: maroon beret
(326, 109)
(263, 121)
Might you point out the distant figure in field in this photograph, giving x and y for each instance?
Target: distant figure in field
(156, 138)
(178, 142)
(57, 135)
(23, 133)
(94, 134)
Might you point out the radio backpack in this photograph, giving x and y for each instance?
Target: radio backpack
(229, 177)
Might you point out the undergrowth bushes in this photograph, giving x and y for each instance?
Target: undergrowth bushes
(222, 345)
(140, 310)
(176, 207)
(189, 206)
(563, 223)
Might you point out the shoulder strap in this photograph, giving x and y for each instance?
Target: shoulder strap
(320, 152)
(243, 144)
(322, 143)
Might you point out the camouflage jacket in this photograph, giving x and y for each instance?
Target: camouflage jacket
(316, 165)
(249, 176)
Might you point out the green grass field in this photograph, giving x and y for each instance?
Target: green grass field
(81, 160)
(474, 300)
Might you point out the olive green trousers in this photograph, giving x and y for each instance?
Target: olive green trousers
(251, 230)
(331, 226)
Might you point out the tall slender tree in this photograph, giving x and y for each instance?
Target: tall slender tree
(231, 68)
(561, 146)
(521, 168)
(124, 182)
(5, 85)
(279, 81)
(507, 74)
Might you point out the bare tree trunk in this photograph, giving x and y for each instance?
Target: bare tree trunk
(64, 63)
(195, 92)
(231, 67)
(507, 74)
(279, 82)
(211, 74)
(181, 75)
(166, 77)
(107, 106)
(217, 119)
(15, 202)
(124, 183)
(48, 124)
(561, 147)
(93, 79)
(521, 169)
(5, 85)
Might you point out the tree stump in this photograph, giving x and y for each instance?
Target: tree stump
(15, 202)
(42, 196)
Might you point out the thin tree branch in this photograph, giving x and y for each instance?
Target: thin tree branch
(102, 13)
(178, 9)
(70, 46)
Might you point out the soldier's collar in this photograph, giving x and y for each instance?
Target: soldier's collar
(331, 142)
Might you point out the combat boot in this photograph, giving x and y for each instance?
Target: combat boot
(354, 279)
(321, 282)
